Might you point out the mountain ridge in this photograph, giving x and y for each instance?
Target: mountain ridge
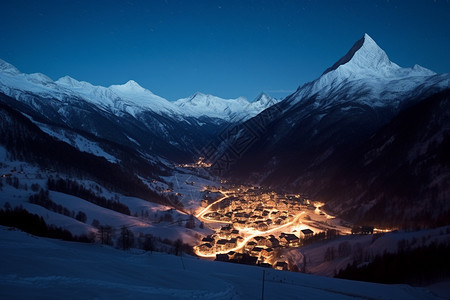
(129, 96)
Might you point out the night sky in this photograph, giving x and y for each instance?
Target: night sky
(225, 48)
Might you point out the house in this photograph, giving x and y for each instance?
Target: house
(267, 253)
(367, 230)
(289, 239)
(362, 230)
(260, 240)
(249, 260)
(222, 257)
(262, 226)
(225, 232)
(249, 247)
(226, 228)
(232, 243)
(306, 233)
(283, 220)
(232, 255)
(234, 233)
(206, 248)
(236, 257)
(311, 207)
(281, 265)
(208, 239)
(221, 245)
(273, 242)
(256, 251)
(240, 216)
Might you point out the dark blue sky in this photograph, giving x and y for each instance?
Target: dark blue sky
(225, 48)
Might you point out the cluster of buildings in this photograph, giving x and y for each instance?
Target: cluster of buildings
(228, 245)
(256, 210)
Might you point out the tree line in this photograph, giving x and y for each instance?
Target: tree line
(72, 187)
(43, 199)
(34, 224)
(418, 266)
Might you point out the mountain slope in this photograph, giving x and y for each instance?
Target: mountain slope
(303, 142)
(402, 172)
(56, 269)
(24, 141)
(126, 114)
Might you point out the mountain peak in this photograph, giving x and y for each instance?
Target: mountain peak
(8, 68)
(67, 80)
(365, 54)
(198, 94)
(131, 84)
(264, 98)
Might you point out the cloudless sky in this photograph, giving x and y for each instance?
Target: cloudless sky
(225, 48)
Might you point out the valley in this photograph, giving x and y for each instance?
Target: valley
(177, 184)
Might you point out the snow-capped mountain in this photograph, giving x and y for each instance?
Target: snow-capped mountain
(126, 114)
(312, 136)
(366, 70)
(235, 110)
(126, 98)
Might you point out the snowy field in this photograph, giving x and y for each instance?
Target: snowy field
(40, 268)
(365, 246)
(145, 216)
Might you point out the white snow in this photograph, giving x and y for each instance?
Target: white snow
(239, 109)
(128, 98)
(190, 188)
(41, 268)
(78, 141)
(370, 246)
(147, 219)
(372, 77)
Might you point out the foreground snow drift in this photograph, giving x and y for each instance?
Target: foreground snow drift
(41, 268)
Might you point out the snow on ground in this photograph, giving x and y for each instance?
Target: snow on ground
(364, 246)
(190, 188)
(78, 141)
(146, 217)
(41, 268)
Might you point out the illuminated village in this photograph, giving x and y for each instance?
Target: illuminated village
(254, 226)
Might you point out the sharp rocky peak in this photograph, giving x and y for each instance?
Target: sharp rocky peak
(264, 98)
(365, 54)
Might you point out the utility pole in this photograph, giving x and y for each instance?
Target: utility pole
(264, 275)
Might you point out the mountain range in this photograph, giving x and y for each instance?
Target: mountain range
(368, 137)
(127, 114)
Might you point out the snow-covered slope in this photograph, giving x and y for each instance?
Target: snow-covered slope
(129, 97)
(307, 143)
(230, 109)
(369, 245)
(126, 98)
(51, 269)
